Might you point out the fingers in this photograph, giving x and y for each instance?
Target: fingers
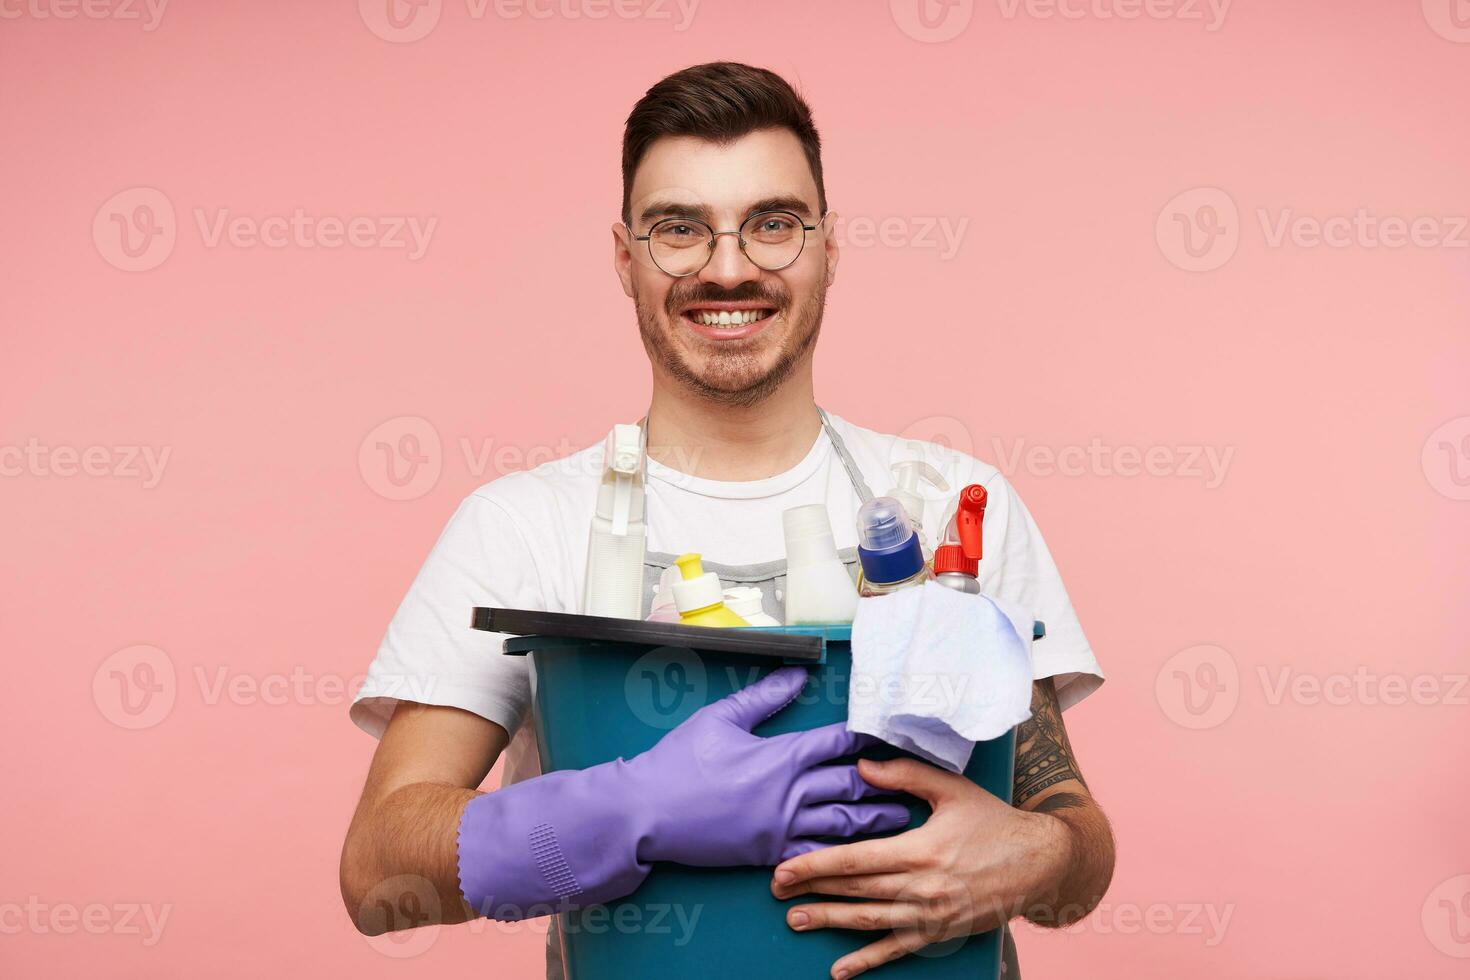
(843, 860)
(752, 705)
(912, 776)
(879, 886)
(819, 745)
(849, 819)
(855, 915)
(832, 784)
(885, 950)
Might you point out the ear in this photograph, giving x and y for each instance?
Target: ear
(829, 243)
(623, 257)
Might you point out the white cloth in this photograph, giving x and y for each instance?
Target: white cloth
(521, 542)
(934, 671)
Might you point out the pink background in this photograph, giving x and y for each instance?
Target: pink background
(1330, 834)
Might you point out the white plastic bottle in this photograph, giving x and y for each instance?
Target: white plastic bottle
(909, 476)
(818, 588)
(619, 537)
(748, 602)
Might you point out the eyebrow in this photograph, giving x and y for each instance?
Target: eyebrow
(657, 210)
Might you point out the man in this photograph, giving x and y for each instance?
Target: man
(726, 249)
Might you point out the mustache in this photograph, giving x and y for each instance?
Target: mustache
(704, 292)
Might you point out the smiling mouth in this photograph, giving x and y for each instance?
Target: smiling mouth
(730, 319)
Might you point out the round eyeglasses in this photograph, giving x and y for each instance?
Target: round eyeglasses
(772, 240)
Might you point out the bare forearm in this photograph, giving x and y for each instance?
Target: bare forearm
(400, 864)
(1087, 836)
(1049, 784)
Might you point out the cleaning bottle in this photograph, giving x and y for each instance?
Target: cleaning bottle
(748, 602)
(957, 560)
(909, 476)
(888, 549)
(662, 605)
(619, 538)
(818, 588)
(700, 598)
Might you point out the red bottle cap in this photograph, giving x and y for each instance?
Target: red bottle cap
(952, 558)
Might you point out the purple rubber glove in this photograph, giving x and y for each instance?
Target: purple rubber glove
(709, 794)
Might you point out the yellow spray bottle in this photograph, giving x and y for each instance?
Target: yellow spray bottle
(699, 596)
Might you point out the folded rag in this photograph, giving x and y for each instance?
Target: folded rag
(934, 671)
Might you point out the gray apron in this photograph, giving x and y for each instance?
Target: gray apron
(770, 578)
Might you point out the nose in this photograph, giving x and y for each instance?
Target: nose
(729, 266)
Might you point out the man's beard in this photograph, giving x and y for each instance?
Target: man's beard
(732, 375)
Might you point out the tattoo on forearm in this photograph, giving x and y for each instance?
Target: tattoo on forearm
(1043, 753)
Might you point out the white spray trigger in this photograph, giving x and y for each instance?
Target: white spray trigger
(626, 459)
(910, 474)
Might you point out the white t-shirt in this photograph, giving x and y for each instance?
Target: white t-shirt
(521, 542)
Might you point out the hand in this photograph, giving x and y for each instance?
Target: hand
(974, 865)
(718, 795)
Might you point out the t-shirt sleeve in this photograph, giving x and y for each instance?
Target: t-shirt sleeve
(430, 654)
(1018, 567)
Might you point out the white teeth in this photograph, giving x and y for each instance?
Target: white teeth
(728, 318)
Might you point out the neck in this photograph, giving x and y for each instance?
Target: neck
(692, 434)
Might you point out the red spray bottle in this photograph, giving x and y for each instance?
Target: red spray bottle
(957, 559)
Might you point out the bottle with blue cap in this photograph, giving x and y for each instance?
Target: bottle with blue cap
(888, 549)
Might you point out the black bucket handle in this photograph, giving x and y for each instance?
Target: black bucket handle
(606, 629)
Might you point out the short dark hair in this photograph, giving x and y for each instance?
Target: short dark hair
(720, 101)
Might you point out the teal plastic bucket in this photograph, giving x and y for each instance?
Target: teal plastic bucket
(598, 701)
